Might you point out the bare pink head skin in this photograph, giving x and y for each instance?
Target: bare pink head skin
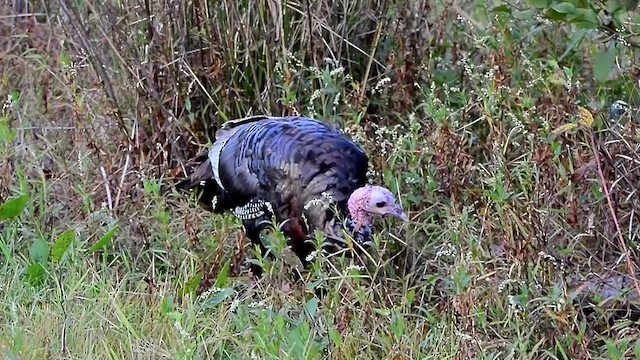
(371, 200)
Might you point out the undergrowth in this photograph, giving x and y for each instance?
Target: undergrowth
(496, 124)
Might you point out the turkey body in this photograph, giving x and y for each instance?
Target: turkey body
(298, 170)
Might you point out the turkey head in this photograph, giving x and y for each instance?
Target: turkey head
(371, 200)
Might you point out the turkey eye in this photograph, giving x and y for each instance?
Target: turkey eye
(381, 204)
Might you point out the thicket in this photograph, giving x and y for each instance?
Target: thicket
(497, 123)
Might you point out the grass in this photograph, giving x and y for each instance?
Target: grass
(489, 120)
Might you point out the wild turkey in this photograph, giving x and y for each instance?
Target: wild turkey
(299, 169)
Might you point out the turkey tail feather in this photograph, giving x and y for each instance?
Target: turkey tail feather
(201, 181)
(199, 170)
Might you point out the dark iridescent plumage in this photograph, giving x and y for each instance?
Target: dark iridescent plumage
(283, 166)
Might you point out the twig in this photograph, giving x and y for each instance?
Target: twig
(74, 18)
(371, 57)
(46, 128)
(124, 174)
(106, 185)
(605, 189)
(310, 23)
(195, 78)
(2, 17)
(333, 33)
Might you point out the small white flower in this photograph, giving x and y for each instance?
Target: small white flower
(445, 250)
(259, 304)
(355, 267)
(311, 256)
(316, 94)
(9, 104)
(336, 71)
(184, 333)
(513, 304)
(336, 100)
(380, 84)
(234, 305)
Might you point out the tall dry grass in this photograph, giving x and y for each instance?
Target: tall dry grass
(489, 124)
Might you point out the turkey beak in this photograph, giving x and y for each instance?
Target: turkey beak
(403, 216)
(398, 213)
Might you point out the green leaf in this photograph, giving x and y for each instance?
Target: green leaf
(15, 96)
(502, 8)
(634, 25)
(555, 16)
(397, 324)
(620, 6)
(564, 8)
(312, 307)
(13, 207)
(581, 4)
(104, 240)
(383, 312)
(36, 274)
(191, 285)
(540, 4)
(152, 187)
(39, 251)
(596, 190)
(217, 298)
(584, 19)
(613, 350)
(6, 251)
(414, 199)
(62, 244)
(527, 14)
(603, 63)
(576, 39)
(336, 337)
(65, 60)
(221, 281)
(167, 305)
(410, 296)
(6, 134)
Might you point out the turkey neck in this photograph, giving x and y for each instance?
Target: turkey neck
(360, 220)
(356, 204)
